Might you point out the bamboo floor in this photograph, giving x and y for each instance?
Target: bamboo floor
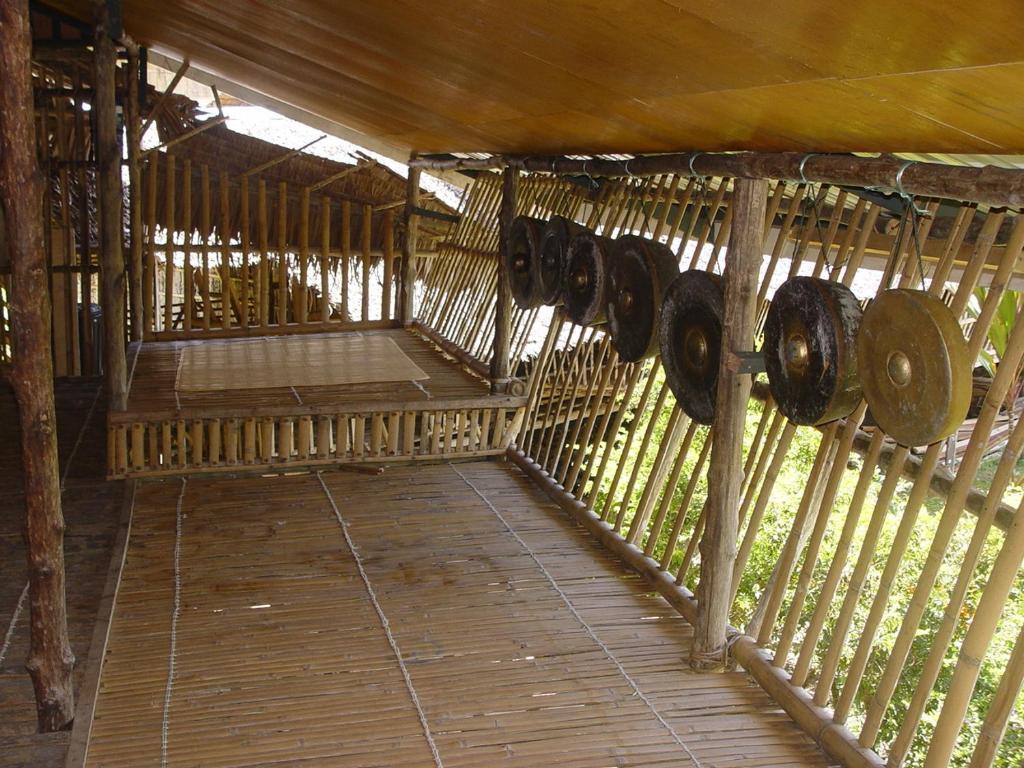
(469, 624)
(92, 509)
(155, 369)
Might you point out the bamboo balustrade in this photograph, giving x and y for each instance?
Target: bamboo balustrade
(231, 255)
(608, 442)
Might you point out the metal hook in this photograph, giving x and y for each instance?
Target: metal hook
(626, 168)
(693, 157)
(907, 197)
(803, 162)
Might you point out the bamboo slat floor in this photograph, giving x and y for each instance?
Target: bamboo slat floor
(345, 619)
(92, 507)
(154, 371)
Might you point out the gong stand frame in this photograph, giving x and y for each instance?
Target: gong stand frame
(987, 184)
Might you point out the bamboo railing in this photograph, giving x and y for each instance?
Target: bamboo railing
(835, 611)
(411, 431)
(457, 287)
(247, 257)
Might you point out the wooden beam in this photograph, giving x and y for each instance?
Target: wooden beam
(407, 307)
(112, 273)
(503, 306)
(988, 184)
(725, 474)
(50, 660)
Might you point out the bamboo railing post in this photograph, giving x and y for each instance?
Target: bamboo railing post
(84, 232)
(503, 307)
(225, 252)
(50, 660)
(282, 247)
(346, 255)
(245, 244)
(325, 261)
(149, 271)
(389, 265)
(108, 157)
(133, 124)
(367, 261)
(718, 546)
(407, 280)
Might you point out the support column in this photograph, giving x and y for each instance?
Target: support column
(407, 307)
(718, 545)
(50, 660)
(133, 122)
(503, 307)
(108, 161)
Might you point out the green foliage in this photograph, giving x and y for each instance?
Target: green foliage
(627, 476)
(1002, 324)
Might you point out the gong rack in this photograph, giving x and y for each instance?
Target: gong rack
(905, 354)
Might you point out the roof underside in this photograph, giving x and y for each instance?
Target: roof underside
(620, 75)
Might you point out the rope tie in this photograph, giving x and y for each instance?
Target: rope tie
(175, 615)
(637, 693)
(383, 622)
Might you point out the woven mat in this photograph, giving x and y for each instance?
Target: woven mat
(293, 361)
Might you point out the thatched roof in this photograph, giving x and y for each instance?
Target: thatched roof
(366, 183)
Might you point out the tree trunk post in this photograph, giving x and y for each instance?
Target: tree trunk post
(503, 306)
(133, 122)
(108, 161)
(50, 660)
(718, 545)
(407, 300)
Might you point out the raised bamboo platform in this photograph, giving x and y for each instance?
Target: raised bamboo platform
(445, 615)
(165, 431)
(92, 508)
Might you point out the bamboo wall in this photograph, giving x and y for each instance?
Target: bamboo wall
(853, 629)
(246, 255)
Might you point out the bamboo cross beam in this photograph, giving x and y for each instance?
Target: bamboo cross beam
(201, 128)
(986, 184)
(164, 96)
(256, 170)
(335, 177)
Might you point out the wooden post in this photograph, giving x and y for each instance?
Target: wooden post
(133, 122)
(503, 306)
(412, 224)
(725, 474)
(50, 660)
(108, 156)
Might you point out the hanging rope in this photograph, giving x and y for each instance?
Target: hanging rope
(383, 622)
(175, 615)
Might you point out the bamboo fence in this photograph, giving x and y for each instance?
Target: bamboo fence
(843, 598)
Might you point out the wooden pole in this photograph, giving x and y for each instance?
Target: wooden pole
(133, 124)
(50, 660)
(725, 474)
(986, 184)
(503, 306)
(412, 225)
(108, 156)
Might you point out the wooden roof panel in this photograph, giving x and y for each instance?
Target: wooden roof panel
(619, 75)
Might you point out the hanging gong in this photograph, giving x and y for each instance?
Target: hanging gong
(554, 250)
(690, 337)
(585, 277)
(522, 259)
(914, 366)
(810, 350)
(639, 273)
